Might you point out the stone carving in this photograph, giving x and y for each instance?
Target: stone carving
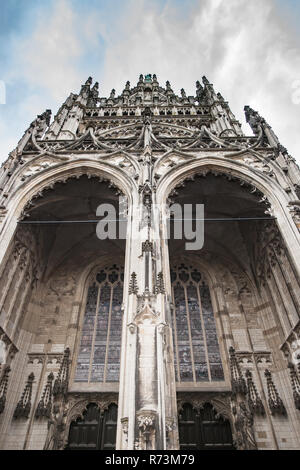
(146, 420)
(146, 137)
(3, 388)
(63, 285)
(254, 401)
(295, 382)
(243, 423)
(253, 119)
(124, 423)
(77, 403)
(61, 383)
(23, 407)
(68, 409)
(45, 404)
(147, 247)
(133, 286)
(237, 380)
(8, 349)
(270, 249)
(159, 284)
(56, 428)
(132, 328)
(275, 403)
(220, 402)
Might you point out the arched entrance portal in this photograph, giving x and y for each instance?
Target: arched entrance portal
(95, 430)
(203, 429)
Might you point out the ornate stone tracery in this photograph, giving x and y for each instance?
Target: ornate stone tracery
(154, 146)
(220, 402)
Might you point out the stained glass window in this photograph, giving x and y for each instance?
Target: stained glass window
(197, 353)
(100, 345)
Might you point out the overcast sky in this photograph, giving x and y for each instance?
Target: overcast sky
(249, 49)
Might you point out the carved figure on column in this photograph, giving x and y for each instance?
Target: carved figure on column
(243, 423)
(146, 420)
(56, 428)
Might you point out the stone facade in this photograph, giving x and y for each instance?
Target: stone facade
(140, 322)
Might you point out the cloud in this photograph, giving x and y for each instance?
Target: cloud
(47, 58)
(245, 48)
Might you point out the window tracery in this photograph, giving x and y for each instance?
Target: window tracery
(197, 353)
(100, 346)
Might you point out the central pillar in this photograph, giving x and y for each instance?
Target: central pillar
(147, 418)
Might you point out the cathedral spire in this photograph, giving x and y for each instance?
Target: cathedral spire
(257, 122)
(86, 87)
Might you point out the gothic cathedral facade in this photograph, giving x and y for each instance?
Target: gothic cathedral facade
(125, 335)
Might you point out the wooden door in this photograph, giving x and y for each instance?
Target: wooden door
(95, 431)
(203, 430)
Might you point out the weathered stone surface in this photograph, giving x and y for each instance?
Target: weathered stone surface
(139, 321)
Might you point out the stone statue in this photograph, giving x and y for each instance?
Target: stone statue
(92, 101)
(243, 423)
(254, 119)
(199, 89)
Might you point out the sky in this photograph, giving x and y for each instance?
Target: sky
(249, 50)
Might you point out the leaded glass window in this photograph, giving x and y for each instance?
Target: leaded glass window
(100, 345)
(197, 353)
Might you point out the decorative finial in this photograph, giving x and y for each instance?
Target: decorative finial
(45, 404)
(295, 385)
(255, 404)
(275, 403)
(199, 89)
(237, 380)
(3, 388)
(133, 286)
(159, 284)
(254, 120)
(61, 383)
(23, 407)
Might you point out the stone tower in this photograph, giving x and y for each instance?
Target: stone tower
(162, 343)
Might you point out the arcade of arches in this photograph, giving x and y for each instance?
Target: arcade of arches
(136, 342)
(215, 304)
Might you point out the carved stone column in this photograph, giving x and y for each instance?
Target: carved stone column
(147, 377)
